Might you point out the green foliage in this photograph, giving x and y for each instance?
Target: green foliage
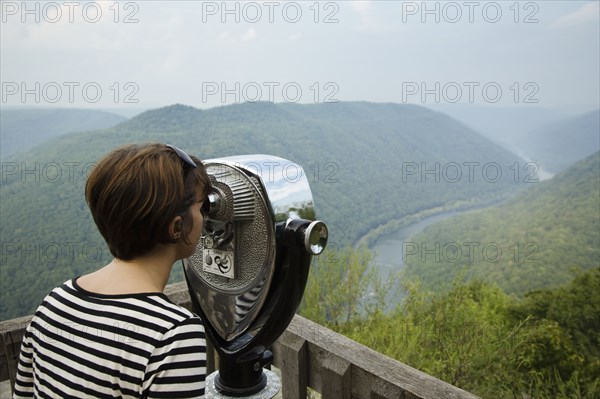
(343, 285)
(472, 335)
(566, 322)
(351, 153)
(534, 241)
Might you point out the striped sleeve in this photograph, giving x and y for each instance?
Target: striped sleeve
(24, 380)
(177, 367)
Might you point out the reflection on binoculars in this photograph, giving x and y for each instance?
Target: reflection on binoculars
(288, 172)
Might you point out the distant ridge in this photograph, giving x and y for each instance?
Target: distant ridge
(560, 145)
(22, 129)
(554, 139)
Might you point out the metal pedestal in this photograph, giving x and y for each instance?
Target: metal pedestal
(268, 392)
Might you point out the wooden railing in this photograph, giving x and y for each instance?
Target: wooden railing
(308, 355)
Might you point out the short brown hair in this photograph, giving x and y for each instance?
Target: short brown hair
(135, 191)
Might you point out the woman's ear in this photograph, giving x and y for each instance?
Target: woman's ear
(176, 228)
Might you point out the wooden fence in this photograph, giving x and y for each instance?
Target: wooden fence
(308, 355)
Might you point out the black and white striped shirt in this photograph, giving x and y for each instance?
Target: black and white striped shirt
(80, 344)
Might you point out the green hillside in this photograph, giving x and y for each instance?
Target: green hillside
(354, 154)
(22, 129)
(536, 240)
(545, 345)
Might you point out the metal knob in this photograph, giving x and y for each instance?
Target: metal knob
(315, 237)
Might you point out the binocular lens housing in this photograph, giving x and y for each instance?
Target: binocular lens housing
(248, 273)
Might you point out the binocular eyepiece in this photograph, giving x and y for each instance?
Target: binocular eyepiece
(221, 207)
(248, 273)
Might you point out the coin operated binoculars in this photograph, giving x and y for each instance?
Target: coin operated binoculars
(248, 273)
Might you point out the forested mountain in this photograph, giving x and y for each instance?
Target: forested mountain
(22, 129)
(364, 162)
(537, 240)
(559, 145)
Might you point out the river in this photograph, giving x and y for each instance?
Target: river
(388, 250)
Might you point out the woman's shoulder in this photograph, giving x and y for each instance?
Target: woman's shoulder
(155, 307)
(174, 310)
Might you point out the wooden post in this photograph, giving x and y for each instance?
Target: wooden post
(292, 353)
(11, 333)
(337, 378)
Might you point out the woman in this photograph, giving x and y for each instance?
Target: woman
(113, 333)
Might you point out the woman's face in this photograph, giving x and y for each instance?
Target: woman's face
(197, 227)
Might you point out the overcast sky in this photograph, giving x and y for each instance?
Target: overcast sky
(146, 54)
